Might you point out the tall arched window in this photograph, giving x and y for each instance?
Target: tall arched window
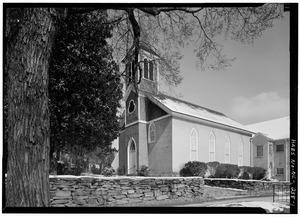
(146, 68)
(152, 133)
(227, 149)
(212, 143)
(240, 152)
(151, 70)
(194, 145)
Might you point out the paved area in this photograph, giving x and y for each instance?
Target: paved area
(236, 200)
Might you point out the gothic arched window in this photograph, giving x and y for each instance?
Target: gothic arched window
(240, 152)
(227, 149)
(152, 133)
(194, 145)
(151, 70)
(212, 143)
(146, 68)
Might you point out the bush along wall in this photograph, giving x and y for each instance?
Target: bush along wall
(92, 191)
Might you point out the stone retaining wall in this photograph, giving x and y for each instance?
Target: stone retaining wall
(102, 191)
(254, 185)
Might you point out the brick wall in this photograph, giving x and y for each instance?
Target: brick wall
(71, 191)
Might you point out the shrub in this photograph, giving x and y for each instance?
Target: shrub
(121, 171)
(185, 172)
(244, 175)
(108, 171)
(211, 168)
(193, 168)
(227, 171)
(95, 170)
(259, 173)
(143, 171)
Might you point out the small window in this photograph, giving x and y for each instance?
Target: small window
(152, 132)
(259, 152)
(151, 70)
(279, 148)
(280, 171)
(131, 107)
(132, 69)
(146, 68)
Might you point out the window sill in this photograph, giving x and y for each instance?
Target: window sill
(259, 157)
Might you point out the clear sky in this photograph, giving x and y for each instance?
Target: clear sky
(254, 89)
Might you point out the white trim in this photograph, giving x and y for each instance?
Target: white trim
(149, 132)
(147, 122)
(227, 144)
(196, 145)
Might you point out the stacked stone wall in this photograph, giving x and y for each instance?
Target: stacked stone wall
(91, 191)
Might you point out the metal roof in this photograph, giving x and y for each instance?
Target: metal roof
(190, 109)
(275, 129)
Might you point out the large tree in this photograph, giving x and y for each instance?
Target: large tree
(84, 88)
(28, 66)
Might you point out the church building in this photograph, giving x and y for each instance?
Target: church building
(164, 133)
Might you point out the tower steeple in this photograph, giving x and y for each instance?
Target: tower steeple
(148, 72)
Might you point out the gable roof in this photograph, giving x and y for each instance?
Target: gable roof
(276, 129)
(190, 109)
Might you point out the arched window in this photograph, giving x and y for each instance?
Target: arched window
(146, 68)
(212, 143)
(240, 152)
(152, 133)
(151, 70)
(227, 149)
(132, 146)
(128, 68)
(194, 145)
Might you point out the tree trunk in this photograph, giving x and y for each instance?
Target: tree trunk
(28, 115)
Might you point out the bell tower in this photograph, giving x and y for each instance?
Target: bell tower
(149, 73)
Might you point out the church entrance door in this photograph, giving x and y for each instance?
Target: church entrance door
(131, 157)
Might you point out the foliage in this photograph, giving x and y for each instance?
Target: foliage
(143, 171)
(227, 171)
(169, 29)
(121, 171)
(108, 171)
(193, 168)
(258, 173)
(84, 88)
(95, 170)
(245, 175)
(212, 167)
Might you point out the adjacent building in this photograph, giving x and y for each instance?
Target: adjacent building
(270, 147)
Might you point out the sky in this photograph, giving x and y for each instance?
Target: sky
(256, 86)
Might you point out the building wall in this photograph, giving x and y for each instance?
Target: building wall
(257, 160)
(281, 160)
(160, 151)
(148, 110)
(181, 143)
